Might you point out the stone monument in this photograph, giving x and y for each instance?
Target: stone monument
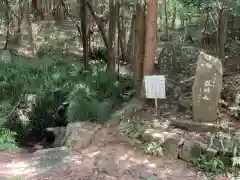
(207, 88)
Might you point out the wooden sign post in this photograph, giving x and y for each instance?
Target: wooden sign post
(155, 88)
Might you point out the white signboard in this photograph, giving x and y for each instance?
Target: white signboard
(155, 87)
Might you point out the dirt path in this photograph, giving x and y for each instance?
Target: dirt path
(107, 158)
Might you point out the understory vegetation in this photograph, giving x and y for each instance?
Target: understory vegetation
(64, 93)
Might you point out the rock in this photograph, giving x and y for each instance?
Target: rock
(190, 150)
(79, 135)
(207, 88)
(193, 126)
(170, 146)
(168, 141)
(5, 56)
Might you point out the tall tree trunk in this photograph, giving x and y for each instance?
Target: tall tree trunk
(121, 34)
(166, 19)
(174, 15)
(222, 32)
(111, 35)
(151, 36)
(27, 11)
(84, 29)
(7, 23)
(130, 45)
(139, 47)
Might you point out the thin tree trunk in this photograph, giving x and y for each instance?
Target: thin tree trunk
(121, 35)
(174, 16)
(206, 23)
(84, 30)
(7, 23)
(111, 36)
(130, 45)
(151, 36)
(222, 32)
(29, 24)
(166, 18)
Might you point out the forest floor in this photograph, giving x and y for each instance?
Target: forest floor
(108, 157)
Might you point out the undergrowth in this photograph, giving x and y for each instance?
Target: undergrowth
(225, 162)
(65, 92)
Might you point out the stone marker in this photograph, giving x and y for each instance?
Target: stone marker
(207, 88)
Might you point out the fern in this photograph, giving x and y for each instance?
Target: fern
(236, 161)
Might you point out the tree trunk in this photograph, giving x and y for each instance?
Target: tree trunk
(139, 47)
(84, 30)
(174, 15)
(111, 36)
(27, 11)
(121, 34)
(206, 23)
(7, 23)
(166, 19)
(99, 23)
(151, 36)
(130, 45)
(222, 32)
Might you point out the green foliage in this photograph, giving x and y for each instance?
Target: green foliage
(98, 53)
(222, 162)
(93, 87)
(235, 111)
(152, 148)
(213, 166)
(129, 128)
(7, 139)
(56, 85)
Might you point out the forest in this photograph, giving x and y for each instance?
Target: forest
(73, 83)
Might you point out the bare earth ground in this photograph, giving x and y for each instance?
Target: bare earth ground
(107, 158)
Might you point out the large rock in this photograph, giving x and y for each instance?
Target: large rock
(168, 141)
(76, 135)
(190, 150)
(79, 135)
(207, 88)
